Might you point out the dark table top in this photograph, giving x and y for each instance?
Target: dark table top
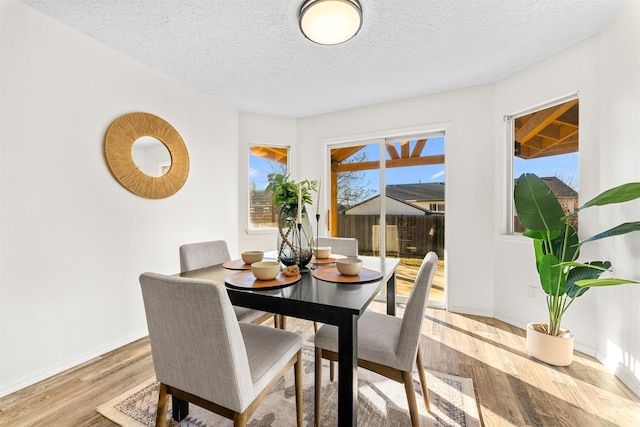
(309, 298)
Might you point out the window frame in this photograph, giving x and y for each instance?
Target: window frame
(250, 228)
(509, 185)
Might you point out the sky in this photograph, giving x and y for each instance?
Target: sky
(564, 166)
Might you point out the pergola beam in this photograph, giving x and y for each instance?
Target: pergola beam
(540, 120)
(392, 163)
(417, 149)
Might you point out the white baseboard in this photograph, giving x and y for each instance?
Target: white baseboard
(25, 382)
(623, 373)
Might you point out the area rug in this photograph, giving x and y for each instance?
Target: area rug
(381, 402)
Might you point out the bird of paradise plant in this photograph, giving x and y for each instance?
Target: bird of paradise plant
(557, 246)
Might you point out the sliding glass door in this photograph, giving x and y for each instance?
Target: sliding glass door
(389, 194)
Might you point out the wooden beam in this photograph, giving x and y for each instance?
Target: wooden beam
(274, 154)
(417, 149)
(393, 153)
(404, 149)
(341, 154)
(541, 119)
(393, 163)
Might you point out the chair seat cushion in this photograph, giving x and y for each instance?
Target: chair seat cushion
(378, 336)
(268, 350)
(248, 315)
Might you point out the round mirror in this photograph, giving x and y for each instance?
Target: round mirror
(151, 156)
(161, 164)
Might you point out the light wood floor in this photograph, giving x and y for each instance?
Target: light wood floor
(406, 277)
(511, 388)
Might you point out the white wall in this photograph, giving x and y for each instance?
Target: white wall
(466, 117)
(572, 70)
(605, 70)
(72, 240)
(618, 313)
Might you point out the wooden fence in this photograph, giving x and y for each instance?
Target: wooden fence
(417, 234)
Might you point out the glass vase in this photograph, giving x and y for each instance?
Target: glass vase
(294, 240)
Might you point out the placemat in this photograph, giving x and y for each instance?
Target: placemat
(330, 273)
(246, 280)
(323, 261)
(239, 264)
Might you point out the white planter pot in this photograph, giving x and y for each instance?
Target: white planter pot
(557, 351)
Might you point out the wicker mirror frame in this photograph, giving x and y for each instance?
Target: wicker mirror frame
(121, 135)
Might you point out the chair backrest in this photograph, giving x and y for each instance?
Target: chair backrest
(196, 343)
(347, 246)
(203, 254)
(414, 312)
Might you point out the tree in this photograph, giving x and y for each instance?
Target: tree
(353, 186)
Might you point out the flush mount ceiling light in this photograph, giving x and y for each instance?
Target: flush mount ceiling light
(330, 21)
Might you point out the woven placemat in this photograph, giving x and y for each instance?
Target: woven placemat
(246, 280)
(330, 273)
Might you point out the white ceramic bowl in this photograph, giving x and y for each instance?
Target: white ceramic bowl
(265, 270)
(249, 257)
(349, 266)
(322, 252)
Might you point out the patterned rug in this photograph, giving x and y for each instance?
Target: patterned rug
(381, 402)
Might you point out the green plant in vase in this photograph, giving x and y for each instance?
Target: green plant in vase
(294, 228)
(557, 246)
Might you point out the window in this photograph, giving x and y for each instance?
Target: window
(264, 160)
(545, 142)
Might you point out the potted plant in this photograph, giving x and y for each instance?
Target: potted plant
(557, 248)
(295, 236)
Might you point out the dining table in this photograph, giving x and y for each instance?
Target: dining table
(330, 301)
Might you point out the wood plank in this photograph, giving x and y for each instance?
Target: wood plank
(393, 153)
(404, 149)
(341, 154)
(417, 149)
(393, 163)
(541, 119)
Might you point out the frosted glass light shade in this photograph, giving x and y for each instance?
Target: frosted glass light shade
(330, 21)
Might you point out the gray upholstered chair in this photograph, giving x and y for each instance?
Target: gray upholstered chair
(204, 254)
(387, 345)
(202, 354)
(347, 246)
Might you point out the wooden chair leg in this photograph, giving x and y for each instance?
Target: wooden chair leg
(331, 370)
(318, 387)
(423, 381)
(275, 321)
(407, 378)
(283, 322)
(240, 419)
(315, 327)
(298, 381)
(163, 406)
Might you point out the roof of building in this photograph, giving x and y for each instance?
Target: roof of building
(559, 188)
(416, 207)
(423, 191)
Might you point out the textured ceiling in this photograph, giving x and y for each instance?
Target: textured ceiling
(251, 54)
